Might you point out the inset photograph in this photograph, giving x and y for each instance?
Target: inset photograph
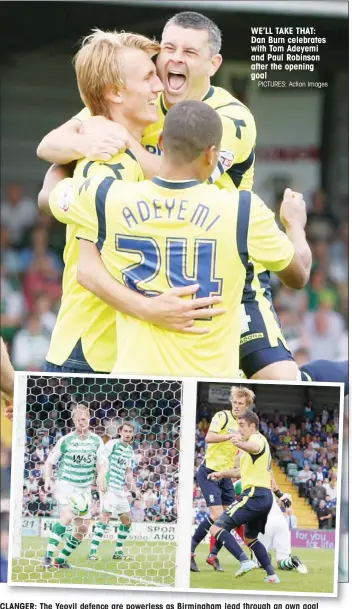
(95, 502)
(267, 471)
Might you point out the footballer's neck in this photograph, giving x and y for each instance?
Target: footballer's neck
(179, 172)
(135, 129)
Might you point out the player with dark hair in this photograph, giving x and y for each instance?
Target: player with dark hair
(255, 501)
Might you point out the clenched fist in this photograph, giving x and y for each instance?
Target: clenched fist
(293, 209)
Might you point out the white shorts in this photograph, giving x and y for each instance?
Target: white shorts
(115, 502)
(277, 538)
(64, 490)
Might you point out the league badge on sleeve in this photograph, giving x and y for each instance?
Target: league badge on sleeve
(226, 158)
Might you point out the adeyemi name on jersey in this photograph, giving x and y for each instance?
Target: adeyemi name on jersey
(169, 209)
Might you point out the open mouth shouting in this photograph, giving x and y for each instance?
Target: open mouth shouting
(176, 80)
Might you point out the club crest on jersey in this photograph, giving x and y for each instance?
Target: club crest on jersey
(65, 199)
(226, 158)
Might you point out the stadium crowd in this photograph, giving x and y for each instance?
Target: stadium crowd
(156, 441)
(305, 447)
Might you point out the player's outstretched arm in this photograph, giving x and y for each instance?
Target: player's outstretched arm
(250, 446)
(7, 373)
(214, 438)
(170, 311)
(71, 141)
(53, 176)
(229, 473)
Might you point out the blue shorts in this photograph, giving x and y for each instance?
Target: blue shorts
(215, 493)
(55, 369)
(251, 511)
(257, 360)
(75, 363)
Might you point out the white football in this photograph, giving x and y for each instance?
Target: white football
(79, 503)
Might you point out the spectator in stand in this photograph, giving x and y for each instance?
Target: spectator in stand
(326, 329)
(39, 248)
(43, 308)
(137, 511)
(30, 346)
(302, 477)
(331, 491)
(18, 213)
(12, 307)
(42, 278)
(201, 513)
(45, 507)
(324, 515)
(297, 456)
(317, 493)
(310, 484)
(310, 454)
(321, 220)
(320, 474)
(32, 505)
(10, 257)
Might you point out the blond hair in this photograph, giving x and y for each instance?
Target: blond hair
(81, 407)
(97, 65)
(127, 424)
(248, 394)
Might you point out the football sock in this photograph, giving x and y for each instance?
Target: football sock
(230, 543)
(216, 547)
(56, 535)
(121, 537)
(97, 537)
(262, 556)
(286, 564)
(71, 544)
(201, 532)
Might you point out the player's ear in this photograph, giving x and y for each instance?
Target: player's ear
(216, 62)
(114, 96)
(161, 142)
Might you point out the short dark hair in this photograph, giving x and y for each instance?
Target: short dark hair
(190, 128)
(196, 21)
(250, 417)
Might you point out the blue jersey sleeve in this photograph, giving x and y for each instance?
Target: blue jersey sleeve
(325, 371)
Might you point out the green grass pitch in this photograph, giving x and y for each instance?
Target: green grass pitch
(320, 577)
(152, 564)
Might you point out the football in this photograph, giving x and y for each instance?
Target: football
(79, 503)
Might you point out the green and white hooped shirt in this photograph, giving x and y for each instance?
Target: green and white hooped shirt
(119, 457)
(77, 457)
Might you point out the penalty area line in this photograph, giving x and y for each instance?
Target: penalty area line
(149, 583)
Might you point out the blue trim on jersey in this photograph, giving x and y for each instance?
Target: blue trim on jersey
(244, 211)
(238, 169)
(209, 94)
(175, 185)
(100, 203)
(86, 169)
(264, 280)
(130, 154)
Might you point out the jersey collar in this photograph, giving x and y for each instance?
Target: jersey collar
(163, 107)
(179, 185)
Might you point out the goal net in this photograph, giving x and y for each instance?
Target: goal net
(143, 554)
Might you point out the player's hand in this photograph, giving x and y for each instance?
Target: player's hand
(293, 209)
(8, 406)
(236, 437)
(286, 500)
(48, 485)
(104, 138)
(172, 311)
(215, 476)
(101, 483)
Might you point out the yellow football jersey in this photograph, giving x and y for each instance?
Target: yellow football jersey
(158, 234)
(256, 469)
(84, 337)
(221, 455)
(236, 159)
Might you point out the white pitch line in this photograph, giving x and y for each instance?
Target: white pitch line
(117, 575)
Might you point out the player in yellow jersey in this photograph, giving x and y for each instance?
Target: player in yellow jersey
(255, 501)
(189, 57)
(84, 337)
(176, 230)
(220, 455)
